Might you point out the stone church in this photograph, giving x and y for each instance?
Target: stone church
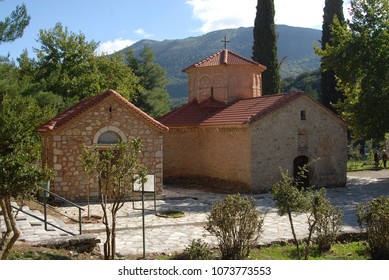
(230, 136)
(102, 120)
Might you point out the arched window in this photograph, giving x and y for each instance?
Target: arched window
(109, 137)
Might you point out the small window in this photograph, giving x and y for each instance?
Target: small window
(109, 137)
(303, 115)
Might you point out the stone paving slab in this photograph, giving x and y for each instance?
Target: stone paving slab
(167, 235)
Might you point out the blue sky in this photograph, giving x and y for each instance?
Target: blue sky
(116, 24)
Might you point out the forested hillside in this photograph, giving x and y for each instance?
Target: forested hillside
(295, 50)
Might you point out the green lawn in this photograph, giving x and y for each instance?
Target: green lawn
(339, 251)
(360, 165)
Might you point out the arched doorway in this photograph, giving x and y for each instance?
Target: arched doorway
(299, 174)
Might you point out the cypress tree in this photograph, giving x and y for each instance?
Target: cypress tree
(330, 95)
(265, 46)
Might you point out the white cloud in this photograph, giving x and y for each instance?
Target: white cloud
(220, 14)
(110, 47)
(143, 33)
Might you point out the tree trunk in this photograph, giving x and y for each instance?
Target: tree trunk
(15, 229)
(7, 222)
(294, 235)
(113, 236)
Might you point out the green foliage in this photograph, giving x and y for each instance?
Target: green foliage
(325, 220)
(67, 70)
(198, 250)
(289, 200)
(153, 97)
(265, 46)
(330, 94)
(21, 174)
(309, 82)
(359, 57)
(237, 225)
(115, 169)
(373, 217)
(13, 26)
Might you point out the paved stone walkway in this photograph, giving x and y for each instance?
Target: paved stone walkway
(167, 235)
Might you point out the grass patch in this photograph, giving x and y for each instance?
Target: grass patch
(339, 251)
(361, 165)
(170, 214)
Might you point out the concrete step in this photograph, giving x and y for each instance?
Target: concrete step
(33, 229)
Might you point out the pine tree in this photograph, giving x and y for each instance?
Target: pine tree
(330, 95)
(265, 46)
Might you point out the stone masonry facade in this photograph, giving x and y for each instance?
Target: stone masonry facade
(320, 136)
(63, 147)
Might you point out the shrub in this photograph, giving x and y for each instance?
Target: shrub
(374, 218)
(289, 200)
(237, 225)
(324, 220)
(328, 220)
(198, 250)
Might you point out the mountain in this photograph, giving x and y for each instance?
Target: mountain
(295, 50)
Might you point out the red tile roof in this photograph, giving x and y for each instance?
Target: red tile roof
(239, 113)
(225, 57)
(76, 110)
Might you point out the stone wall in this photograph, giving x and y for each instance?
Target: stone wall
(249, 158)
(62, 148)
(218, 157)
(278, 139)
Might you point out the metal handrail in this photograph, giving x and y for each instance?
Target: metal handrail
(42, 220)
(64, 200)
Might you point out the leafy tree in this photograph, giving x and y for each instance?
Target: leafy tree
(67, 68)
(265, 46)
(359, 57)
(237, 225)
(20, 175)
(115, 170)
(13, 26)
(289, 201)
(324, 220)
(330, 94)
(153, 97)
(114, 73)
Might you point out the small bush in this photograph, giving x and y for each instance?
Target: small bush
(237, 225)
(198, 250)
(328, 221)
(374, 218)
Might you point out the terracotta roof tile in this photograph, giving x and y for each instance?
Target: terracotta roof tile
(239, 113)
(224, 57)
(76, 110)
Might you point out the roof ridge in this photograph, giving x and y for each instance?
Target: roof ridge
(224, 57)
(79, 108)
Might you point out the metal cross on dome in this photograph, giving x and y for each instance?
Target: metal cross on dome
(225, 42)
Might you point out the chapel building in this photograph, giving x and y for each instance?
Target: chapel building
(231, 136)
(102, 120)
